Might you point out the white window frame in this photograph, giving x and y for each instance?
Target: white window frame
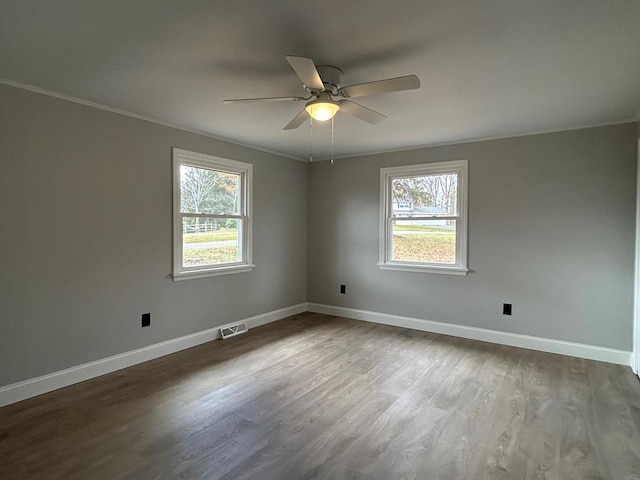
(459, 167)
(245, 170)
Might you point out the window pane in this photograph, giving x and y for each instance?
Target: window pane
(425, 195)
(430, 241)
(210, 241)
(209, 191)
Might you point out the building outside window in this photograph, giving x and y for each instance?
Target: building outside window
(423, 217)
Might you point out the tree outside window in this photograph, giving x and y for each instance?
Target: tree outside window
(212, 229)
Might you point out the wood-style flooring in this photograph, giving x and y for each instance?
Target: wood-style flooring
(314, 396)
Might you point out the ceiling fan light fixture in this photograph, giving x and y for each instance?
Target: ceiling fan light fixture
(323, 108)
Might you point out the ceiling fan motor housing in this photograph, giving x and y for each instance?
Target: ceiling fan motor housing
(331, 77)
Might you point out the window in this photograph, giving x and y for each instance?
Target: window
(211, 215)
(423, 218)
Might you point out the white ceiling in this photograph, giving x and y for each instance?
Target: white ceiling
(488, 68)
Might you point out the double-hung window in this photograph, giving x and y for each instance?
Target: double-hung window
(211, 215)
(423, 218)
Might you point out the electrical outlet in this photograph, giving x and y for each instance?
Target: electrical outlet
(146, 319)
(343, 289)
(506, 309)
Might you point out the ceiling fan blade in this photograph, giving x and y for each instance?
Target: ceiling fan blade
(266, 99)
(363, 113)
(306, 70)
(408, 82)
(297, 120)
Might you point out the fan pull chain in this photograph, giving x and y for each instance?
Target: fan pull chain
(311, 139)
(332, 140)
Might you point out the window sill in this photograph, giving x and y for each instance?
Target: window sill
(188, 275)
(423, 268)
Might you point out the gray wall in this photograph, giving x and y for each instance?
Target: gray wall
(85, 239)
(551, 230)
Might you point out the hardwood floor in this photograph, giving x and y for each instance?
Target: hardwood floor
(315, 396)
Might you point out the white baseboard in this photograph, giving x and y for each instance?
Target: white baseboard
(36, 386)
(571, 349)
(63, 378)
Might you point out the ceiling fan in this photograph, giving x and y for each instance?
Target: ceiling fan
(327, 96)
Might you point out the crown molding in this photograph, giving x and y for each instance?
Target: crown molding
(107, 108)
